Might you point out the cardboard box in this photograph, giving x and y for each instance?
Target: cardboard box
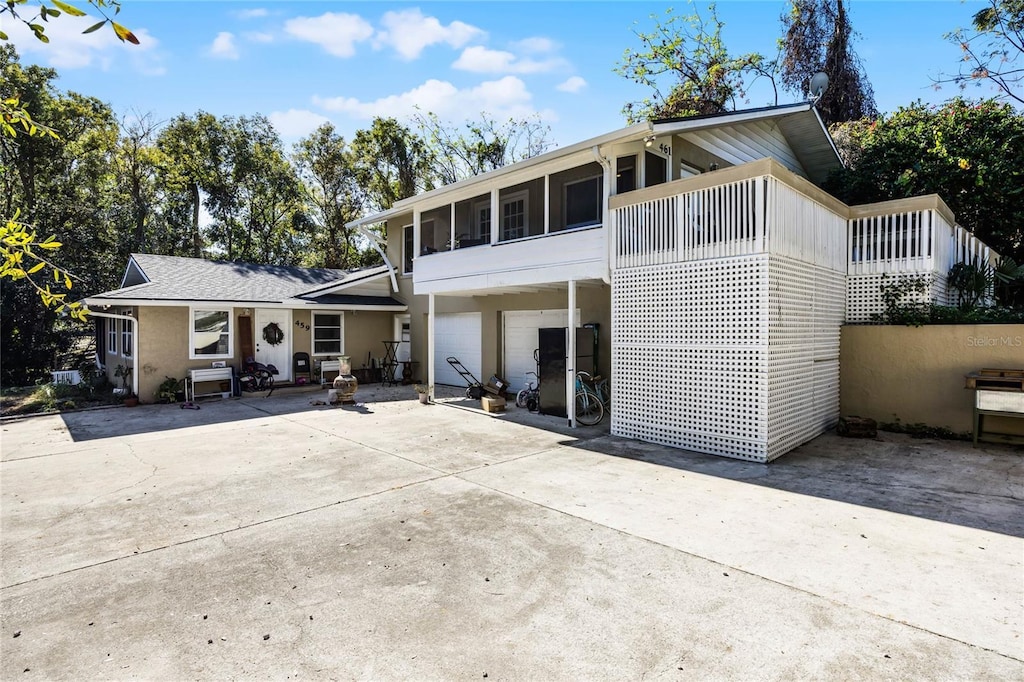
(496, 386)
(492, 404)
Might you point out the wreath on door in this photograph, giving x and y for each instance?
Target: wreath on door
(272, 334)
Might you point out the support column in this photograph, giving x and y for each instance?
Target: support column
(495, 217)
(430, 346)
(415, 236)
(570, 361)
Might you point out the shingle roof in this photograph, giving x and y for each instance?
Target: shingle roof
(173, 278)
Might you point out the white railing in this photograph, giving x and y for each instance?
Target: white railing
(917, 241)
(711, 222)
(756, 208)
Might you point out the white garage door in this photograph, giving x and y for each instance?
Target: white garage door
(457, 334)
(520, 339)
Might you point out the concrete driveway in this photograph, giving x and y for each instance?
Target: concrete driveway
(277, 539)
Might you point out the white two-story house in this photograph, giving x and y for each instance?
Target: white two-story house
(703, 251)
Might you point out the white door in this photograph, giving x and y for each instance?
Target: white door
(403, 353)
(520, 329)
(280, 354)
(457, 334)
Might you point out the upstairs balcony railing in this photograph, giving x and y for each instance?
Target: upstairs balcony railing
(755, 208)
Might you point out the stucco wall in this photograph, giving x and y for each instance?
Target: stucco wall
(916, 374)
(164, 342)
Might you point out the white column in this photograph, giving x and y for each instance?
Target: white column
(547, 204)
(430, 345)
(495, 217)
(570, 361)
(451, 238)
(415, 236)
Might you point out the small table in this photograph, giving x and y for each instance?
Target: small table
(390, 363)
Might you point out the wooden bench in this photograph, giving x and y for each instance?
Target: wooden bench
(329, 366)
(204, 375)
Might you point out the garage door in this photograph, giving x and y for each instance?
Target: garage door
(456, 334)
(520, 339)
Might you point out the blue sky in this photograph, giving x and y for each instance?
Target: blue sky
(303, 63)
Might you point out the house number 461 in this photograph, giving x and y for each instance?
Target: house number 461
(665, 149)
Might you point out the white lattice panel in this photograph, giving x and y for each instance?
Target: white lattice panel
(864, 294)
(805, 310)
(689, 347)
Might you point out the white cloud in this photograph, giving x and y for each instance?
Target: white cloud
(69, 48)
(254, 13)
(574, 84)
(479, 59)
(258, 36)
(409, 32)
(223, 46)
(296, 123)
(337, 34)
(536, 44)
(504, 98)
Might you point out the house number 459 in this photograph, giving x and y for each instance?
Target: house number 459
(301, 325)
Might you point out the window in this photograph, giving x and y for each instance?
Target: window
(482, 216)
(655, 169)
(211, 334)
(583, 202)
(625, 174)
(126, 334)
(513, 216)
(408, 246)
(111, 336)
(327, 328)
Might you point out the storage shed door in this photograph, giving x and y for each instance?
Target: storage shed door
(457, 334)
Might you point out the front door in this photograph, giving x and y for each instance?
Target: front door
(277, 354)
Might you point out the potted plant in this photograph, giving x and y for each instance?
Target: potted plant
(424, 392)
(125, 373)
(170, 390)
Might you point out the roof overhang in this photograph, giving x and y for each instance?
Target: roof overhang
(99, 302)
(353, 279)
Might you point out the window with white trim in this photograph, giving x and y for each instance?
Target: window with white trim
(482, 217)
(514, 211)
(408, 249)
(111, 336)
(210, 333)
(328, 333)
(127, 328)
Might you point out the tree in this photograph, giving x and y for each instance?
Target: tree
(255, 197)
(61, 187)
(817, 38)
(36, 24)
(137, 162)
(391, 163)
(480, 146)
(326, 167)
(992, 50)
(193, 148)
(689, 69)
(967, 153)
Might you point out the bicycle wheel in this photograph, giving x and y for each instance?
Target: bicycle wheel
(589, 409)
(521, 397)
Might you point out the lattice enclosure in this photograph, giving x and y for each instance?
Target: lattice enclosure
(864, 294)
(689, 353)
(805, 310)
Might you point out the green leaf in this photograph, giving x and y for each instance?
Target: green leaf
(95, 27)
(69, 9)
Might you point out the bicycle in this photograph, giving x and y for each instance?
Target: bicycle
(257, 377)
(529, 397)
(592, 400)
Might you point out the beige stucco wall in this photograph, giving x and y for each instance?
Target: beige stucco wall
(916, 374)
(164, 342)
